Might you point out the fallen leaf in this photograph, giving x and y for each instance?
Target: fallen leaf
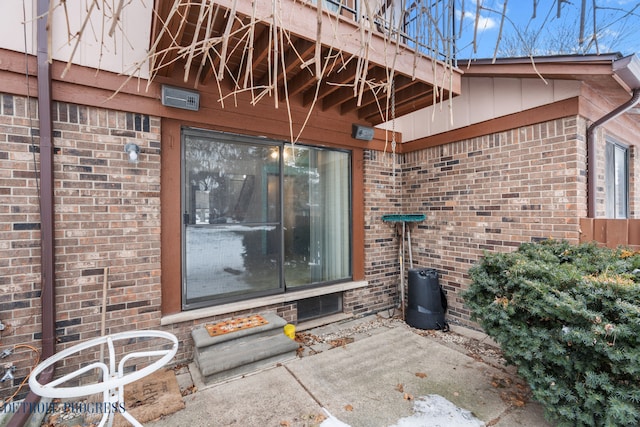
(307, 338)
(499, 382)
(400, 388)
(285, 424)
(515, 399)
(341, 342)
(476, 357)
(189, 390)
(421, 375)
(348, 408)
(319, 418)
(518, 402)
(407, 396)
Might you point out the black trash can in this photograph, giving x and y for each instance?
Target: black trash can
(426, 300)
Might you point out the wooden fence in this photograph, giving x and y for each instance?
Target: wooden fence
(611, 232)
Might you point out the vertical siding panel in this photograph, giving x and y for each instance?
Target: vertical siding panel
(586, 230)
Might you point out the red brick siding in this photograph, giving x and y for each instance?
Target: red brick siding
(634, 184)
(490, 193)
(382, 196)
(107, 215)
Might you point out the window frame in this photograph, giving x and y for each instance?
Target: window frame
(171, 225)
(282, 288)
(225, 137)
(612, 201)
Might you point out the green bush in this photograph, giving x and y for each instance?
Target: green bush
(569, 318)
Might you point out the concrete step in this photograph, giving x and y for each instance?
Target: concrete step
(275, 325)
(238, 353)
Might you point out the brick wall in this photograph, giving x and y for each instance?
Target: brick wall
(383, 195)
(602, 134)
(107, 215)
(490, 193)
(634, 182)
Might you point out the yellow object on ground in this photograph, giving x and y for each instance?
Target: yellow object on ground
(290, 331)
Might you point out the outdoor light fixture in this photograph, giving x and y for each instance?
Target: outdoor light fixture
(132, 150)
(364, 133)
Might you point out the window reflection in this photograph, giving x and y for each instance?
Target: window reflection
(236, 242)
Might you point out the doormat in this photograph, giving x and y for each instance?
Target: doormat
(151, 397)
(233, 325)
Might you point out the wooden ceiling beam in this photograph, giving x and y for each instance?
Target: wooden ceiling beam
(376, 75)
(210, 32)
(416, 104)
(401, 82)
(172, 37)
(294, 57)
(301, 81)
(406, 95)
(215, 51)
(297, 54)
(298, 15)
(333, 81)
(257, 53)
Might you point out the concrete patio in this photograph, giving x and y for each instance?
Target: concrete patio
(365, 372)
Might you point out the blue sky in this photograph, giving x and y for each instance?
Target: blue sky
(615, 34)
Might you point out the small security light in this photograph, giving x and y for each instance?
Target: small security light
(132, 150)
(364, 133)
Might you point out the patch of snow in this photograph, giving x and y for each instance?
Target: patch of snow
(436, 411)
(332, 421)
(429, 411)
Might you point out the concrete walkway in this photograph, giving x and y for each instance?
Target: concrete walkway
(366, 373)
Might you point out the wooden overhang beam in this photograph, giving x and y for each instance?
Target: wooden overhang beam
(401, 82)
(546, 69)
(206, 60)
(419, 102)
(408, 95)
(305, 79)
(295, 17)
(258, 53)
(336, 74)
(215, 56)
(296, 54)
(346, 93)
(166, 52)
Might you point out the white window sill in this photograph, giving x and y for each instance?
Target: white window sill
(250, 304)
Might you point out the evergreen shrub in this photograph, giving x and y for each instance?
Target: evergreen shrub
(568, 316)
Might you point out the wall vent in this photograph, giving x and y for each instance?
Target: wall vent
(180, 98)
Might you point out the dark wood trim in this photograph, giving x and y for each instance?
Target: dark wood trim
(298, 15)
(565, 108)
(171, 218)
(357, 235)
(564, 69)
(609, 232)
(83, 86)
(593, 107)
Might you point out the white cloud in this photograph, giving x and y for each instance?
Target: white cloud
(484, 22)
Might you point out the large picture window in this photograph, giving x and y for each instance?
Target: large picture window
(261, 217)
(617, 180)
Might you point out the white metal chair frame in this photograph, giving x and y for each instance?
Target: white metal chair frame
(113, 380)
